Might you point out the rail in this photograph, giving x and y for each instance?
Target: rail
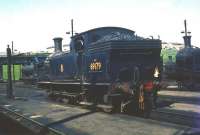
(176, 118)
(31, 124)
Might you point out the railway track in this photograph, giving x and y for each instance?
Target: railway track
(30, 126)
(36, 128)
(10, 127)
(176, 118)
(163, 115)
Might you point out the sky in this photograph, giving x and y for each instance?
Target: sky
(32, 24)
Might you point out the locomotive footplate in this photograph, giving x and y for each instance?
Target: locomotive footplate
(96, 95)
(73, 91)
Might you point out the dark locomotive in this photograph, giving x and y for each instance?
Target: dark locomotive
(108, 67)
(188, 64)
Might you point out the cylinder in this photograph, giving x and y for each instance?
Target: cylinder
(58, 44)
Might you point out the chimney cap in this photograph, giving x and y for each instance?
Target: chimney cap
(57, 38)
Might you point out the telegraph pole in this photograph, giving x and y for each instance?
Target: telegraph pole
(9, 84)
(187, 38)
(13, 66)
(12, 47)
(185, 25)
(72, 27)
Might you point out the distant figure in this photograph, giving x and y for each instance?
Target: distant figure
(157, 86)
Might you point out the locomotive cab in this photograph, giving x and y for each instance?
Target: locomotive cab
(131, 68)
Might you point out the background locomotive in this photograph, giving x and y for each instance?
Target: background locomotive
(185, 67)
(26, 67)
(188, 64)
(109, 67)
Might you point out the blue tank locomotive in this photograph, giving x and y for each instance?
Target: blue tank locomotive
(109, 66)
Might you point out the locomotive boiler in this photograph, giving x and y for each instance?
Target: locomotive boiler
(108, 67)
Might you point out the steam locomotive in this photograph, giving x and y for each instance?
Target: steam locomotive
(187, 65)
(188, 68)
(33, 68)
(107, 67)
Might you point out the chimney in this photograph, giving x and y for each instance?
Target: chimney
(186, 38)
(187, 41)
(58, 44)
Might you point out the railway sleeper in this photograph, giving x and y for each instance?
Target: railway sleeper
(104, 107)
